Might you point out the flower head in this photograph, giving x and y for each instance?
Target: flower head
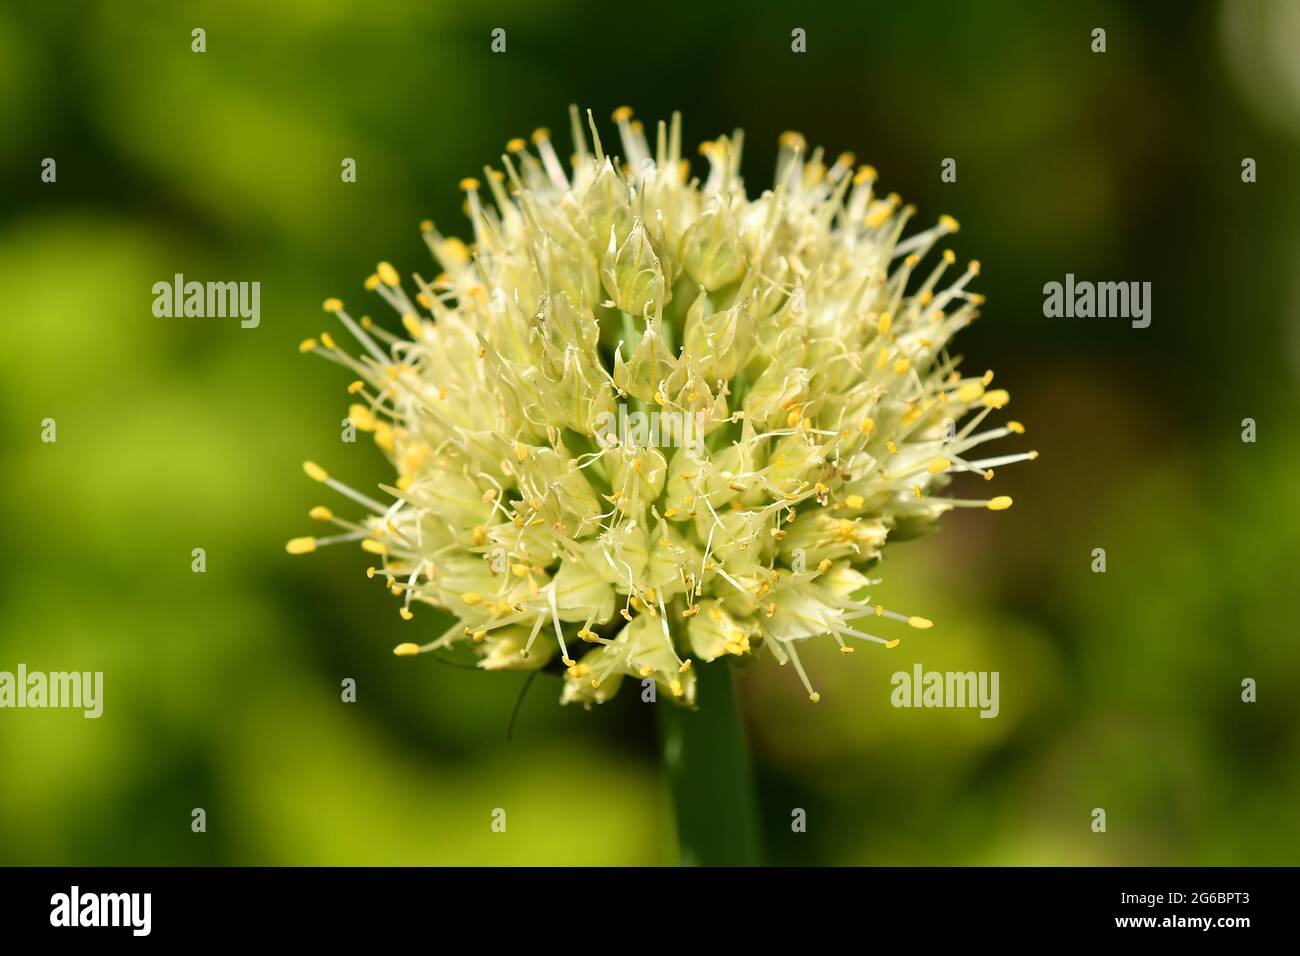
(645, 420)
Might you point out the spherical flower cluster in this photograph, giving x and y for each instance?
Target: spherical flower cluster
(645, 422)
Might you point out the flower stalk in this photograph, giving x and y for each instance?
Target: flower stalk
(706, 761)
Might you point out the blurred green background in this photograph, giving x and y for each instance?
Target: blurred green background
(222, 690)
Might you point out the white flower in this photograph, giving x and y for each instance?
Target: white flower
(797, 327)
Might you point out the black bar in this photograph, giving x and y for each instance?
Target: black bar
(331, 906)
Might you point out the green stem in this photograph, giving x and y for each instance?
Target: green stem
(705, 756)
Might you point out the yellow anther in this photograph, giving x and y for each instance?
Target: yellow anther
(301, 546)
(974, 267)
(824, 565)
(362, 417)
(902, 365)
(868, 426)
(845, 649)
(373, 546)
(815, 697)
(686, 665)
(1033, 455)
(938, 465)
(893, 449)
(949, 224)
(541, 135)
(306, 345)
(472, 597)
(884, 323)
(893, 643)
(372, 282)
(855, 501)
(865, 174)
(406, 650)
(333, 305)
(388, 275)
(920, 623)
(327, 340)
(517, 145)
(622, 113)
(404, 612)
(412, 325)
(996, 398)
(1016, 428)
(1000, 503)
(356, 386)
(949, 256)
(314, 471)
(970, 392)
(469, 184)
(521, 451)
(793, 140)
(320, 513)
